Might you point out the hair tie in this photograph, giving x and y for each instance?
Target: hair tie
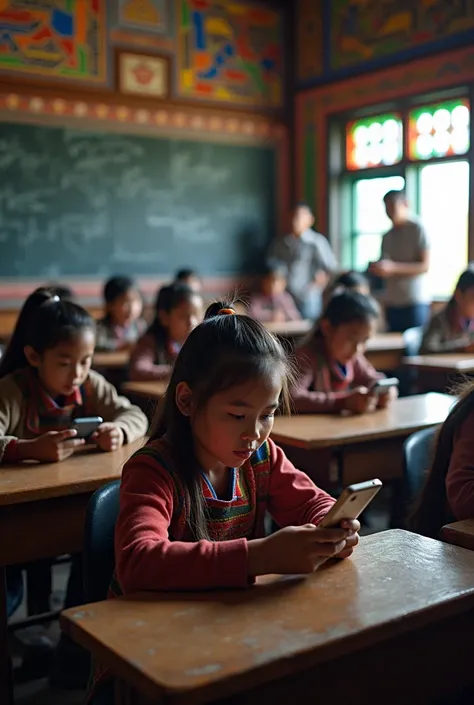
(226, 312)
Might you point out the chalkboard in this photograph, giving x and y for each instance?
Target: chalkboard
(76, 203)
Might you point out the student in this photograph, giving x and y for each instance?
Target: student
(448, 494)
(64, 291)
(347, 281)
(404, 263)
(193, 501)
(178, 311)
(122, 324)
(308, 260)
(190, 278)
(273, 303)
(334, 374)
(45, 383)
(452, 329)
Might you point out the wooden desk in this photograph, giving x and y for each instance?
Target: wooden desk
(359, 447)
(394, 605)
(448, 364)
(117, 360)
(459, 533)
(145, 390)
(385, 350)
(290, 329)
(42, 511)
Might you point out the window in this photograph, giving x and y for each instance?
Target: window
(439, 130)
(374, 142)
(430, 163)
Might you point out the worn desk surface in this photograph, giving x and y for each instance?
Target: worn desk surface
(392, 606)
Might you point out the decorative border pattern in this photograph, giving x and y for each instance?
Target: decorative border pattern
(315, 106)
(257, 129)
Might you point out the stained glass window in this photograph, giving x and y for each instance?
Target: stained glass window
(439, 130)
(375, 141)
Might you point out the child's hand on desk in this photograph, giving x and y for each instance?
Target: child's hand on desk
(108, 436)
(297, 549)
(51, 447)
(385, 399)
(360, 400)
(353, 526)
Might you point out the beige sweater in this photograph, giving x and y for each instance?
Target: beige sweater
(103, 401)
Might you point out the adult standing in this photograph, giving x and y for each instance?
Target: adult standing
(308, 259)
(404, 264)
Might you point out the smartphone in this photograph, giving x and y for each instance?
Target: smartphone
(352, 502)
(86, 426)
(381, 386)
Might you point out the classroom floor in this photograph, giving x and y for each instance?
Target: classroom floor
(39, 692)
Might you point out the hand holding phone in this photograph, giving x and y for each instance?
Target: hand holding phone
(384, 385)
(352, 502)
(86, 426)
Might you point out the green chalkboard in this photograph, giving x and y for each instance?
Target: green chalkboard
(76, 203)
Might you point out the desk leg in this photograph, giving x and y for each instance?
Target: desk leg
(6, 677)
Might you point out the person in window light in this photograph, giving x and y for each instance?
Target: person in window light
(404, 264)
(334, 374)
(273, 303)
(308, 259)
(122, 324)
(190, 278)
(193, 501)
(452, 329)
(178, 311)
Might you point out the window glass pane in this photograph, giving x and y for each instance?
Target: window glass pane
(439, 130)
(370, 219)
(375, 141)
(444, 208)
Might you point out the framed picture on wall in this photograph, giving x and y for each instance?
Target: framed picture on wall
(143, 74)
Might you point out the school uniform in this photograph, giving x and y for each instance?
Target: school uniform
(153, 546)
(151, 360)
(407, 299)
(27, 411)
(281, 307)
(460, 475)
(322, 384)
(447, 332)
(110, 336)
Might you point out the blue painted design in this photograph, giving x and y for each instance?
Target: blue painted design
(62, 23)
(199, 37)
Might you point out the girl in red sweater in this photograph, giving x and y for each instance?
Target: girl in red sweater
(193, 500)
(448, 494)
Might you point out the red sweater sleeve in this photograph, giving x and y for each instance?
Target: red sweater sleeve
(294, 499)
(142, 362)
(460, 477)
(146, 559)
(365, 373)
(307, 401)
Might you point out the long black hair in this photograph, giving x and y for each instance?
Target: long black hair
(167, 299)
(43, 322)
(223, 351)
(430, 512)
(463, 284)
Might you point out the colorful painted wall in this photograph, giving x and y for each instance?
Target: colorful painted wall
(341, 38)
(207, 69)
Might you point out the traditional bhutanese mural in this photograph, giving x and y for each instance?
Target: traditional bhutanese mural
(364, 30)
(62, 39)
(230, 52)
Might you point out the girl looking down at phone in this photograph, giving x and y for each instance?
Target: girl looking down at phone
(193, 501)
(46, 382)
(334, 374)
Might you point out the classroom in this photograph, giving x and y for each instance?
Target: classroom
(236, 352)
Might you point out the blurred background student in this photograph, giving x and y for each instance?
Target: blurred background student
(122, 324)
(273, 302)
(190, 278)
(452, 329)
